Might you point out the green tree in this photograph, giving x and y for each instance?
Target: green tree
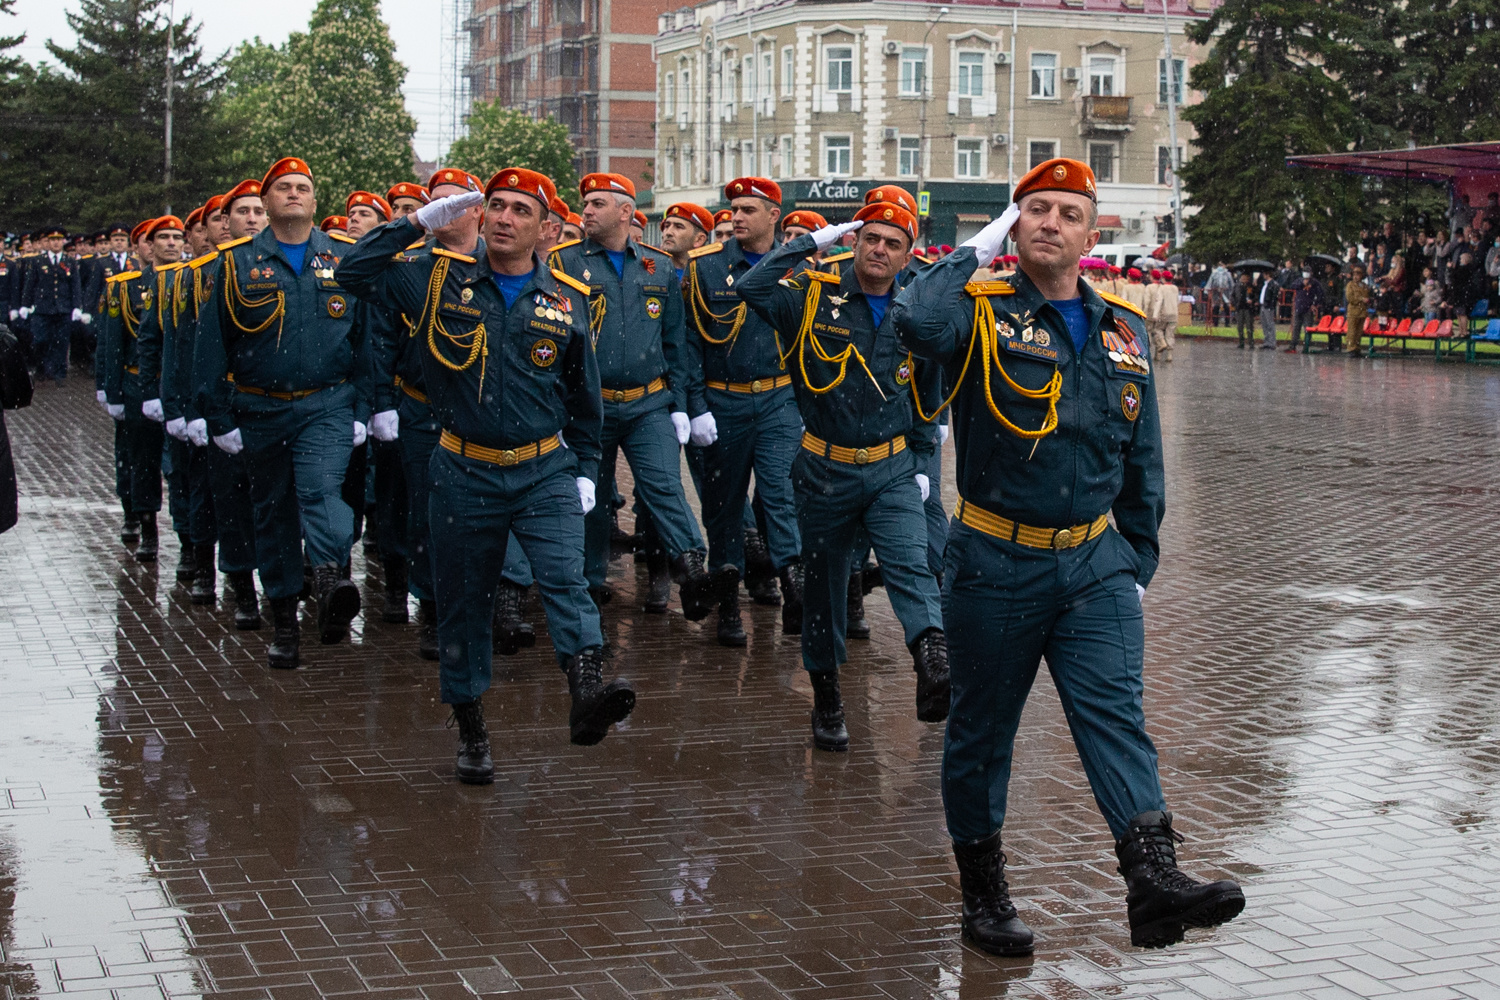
(10, 65)
(331, 96)
(501, 137)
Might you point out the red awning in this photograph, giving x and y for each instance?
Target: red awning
(1110, 222)
(1470, 168)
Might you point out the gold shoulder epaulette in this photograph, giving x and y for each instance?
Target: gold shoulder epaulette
(838, 254)
(440, 252)
(123, 276)
(207, 258)
(415, 246)
(565, 245)
(235, 243)
(342, 239)
(570, 281)
(831, 279)
(705, 250)
(1115, 300)
(989, 288)
(175, 265)
(658, 249)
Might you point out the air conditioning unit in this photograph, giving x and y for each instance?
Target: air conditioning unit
(891, 134)
(1135, 225)
(999, 139)
(1070, 74)
(1002, 58)
(893, 48)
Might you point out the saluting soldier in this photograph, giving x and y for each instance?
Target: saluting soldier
(860, 465)
(1057, 428)
(52, 300)
(405, 198)
(651, 389)
(280, 378)
(510, 372)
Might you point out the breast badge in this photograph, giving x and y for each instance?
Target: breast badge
(653, 308)
(903, 373)
(543, 353)
(1130, 401)
(337, 306)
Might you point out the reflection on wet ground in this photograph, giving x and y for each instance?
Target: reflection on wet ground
(176, 820)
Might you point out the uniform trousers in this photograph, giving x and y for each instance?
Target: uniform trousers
(1355, 330)
(1007, 607)
(144, 443)
(835, 503)
(391, 500)
(52, 334)
(174, 468)
(297, 452)
(418, 438)
(760, 433)
(474, 508)
(233, 510)
(122, 465)
(937, 517)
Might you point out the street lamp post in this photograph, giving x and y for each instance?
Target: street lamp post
(922, 140)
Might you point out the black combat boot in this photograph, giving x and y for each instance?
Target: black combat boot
(510, 631)
(203, 591)
(731, 631)
(282, 653)
(791, 599)
(828, 713)
(601, 595)
(130, 527)
(989, 917)
(150, 541)
(246, 604)
(659, 581)
(760, 573)
(187, 560)
(474, 765)
(596, 705)
(427, 640)
(929, 656)
(694, 585)
(395, 610)
(855, 625)
(338, 603)
(1162, 899)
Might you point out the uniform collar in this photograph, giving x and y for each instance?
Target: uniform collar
(735, 254)
(590, 247)
(849, 284)
(267, 245)
(1029, 300)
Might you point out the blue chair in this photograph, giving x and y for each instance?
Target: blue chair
(1481, 309)
(1492, 330)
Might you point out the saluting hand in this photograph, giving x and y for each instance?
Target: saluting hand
(440, 213)
(988, 241)
(829, 235)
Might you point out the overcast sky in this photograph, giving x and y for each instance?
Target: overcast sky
(416, 25)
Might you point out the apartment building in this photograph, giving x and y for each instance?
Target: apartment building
(957, 101)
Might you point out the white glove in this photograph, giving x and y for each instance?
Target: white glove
(942, 434)
(116, 411)
(1140, 592)
(197, 432)
(438, 214)
(78, 315)
(586, 493)
(360, 433)
(988, 241)
(924, 484)
(99, 397)
(177, 427)
(151, 410)
(703, 430)
(829, 235)
(88, 319)
(230, 444)
(386, 425)
(683, 426)
(25, 311)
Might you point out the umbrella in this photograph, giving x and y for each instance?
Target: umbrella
(1326, 258)
(1251, 264)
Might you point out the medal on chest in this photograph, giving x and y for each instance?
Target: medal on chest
(1124, 348)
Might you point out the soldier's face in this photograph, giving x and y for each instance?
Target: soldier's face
(362, 219)
(571, 232)
(166, 246)
(402, 207)
(680, 236)
(198, 239)
(290, 198)
(218, 228)
(605, 215)
(552, 230)
(754, 219)
(247, 216)
(1055, 229)
(54, 244)
(512, 223)
(789, 233)
(723, 231)
(119, 243)
(880, 251)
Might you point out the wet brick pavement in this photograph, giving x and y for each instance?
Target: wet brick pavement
(1322, 682)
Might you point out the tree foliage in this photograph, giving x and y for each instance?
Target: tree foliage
(501, 137)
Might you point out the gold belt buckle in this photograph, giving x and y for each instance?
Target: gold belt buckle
(619, 395)
(861, 456)
(755, 386)
(1063, 539)
(508, 457)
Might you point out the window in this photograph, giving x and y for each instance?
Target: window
(568, 11)
(971, 74)
(685, 82)
(570, 62)
(913, 71)
(838, 155)
(908, 158)
(1164, 163)
(840, 69)
(1102, 161)
(669, 169)
(747, 81)
(1101, 76)
(1039, 153)
(1044, 74)
(786, 71)
(969, 161)
(786, 156)
(669, 95)
(1161, 81)
(766, 84)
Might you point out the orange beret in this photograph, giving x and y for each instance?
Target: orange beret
(723, 215)
(558, 207)
(139, 232)
(804, 219)
(1133, 273)
(165, 222)
(574, 219)
(524, 181)
(615, 183)
(888, 214)
(194, 218)
(456, 178)
(753, 187)
(639, 218)
(284, 166)
(408, 190)
(244, 189)
(373, 200)
(696, 214)
(212, 205)
(892, 192)
(1061, 174)
(335, 222)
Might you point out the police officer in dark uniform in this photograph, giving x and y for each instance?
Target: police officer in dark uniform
(1057, 427)
(510, 372)
(859, 464)
(115, 260)
(280, 376)
(650, 389)
(52, 300)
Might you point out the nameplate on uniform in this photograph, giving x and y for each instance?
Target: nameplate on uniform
(830, 330)
(1031, 348)
(262, 286)
(546, 327)
(458, 309)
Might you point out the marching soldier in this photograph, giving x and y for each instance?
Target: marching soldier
(136, 251)
(860, 465)
(573, 228)
(752, 421)
(52, 299)
(280, 378)
(151, 337)
(511, 374)
(723, 226)
(1065, 433)
(405, 198)
(684, 227)
(651, 391)
(335, 225)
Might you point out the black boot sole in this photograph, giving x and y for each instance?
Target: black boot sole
(395, 611)
(614, 705)
(698, 599)
(474, 775)
(1017, 950)
(732, 640)
(831, 744)
(859, 631)
(934, 707)
(343, 605)
(248, 623)
(765, 594)
(1166, 931)
(202, 598)
(657, 604)
(280, 661)
(142, 556)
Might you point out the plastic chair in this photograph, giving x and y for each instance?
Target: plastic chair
(1481, 309)
(1403, 328)
(1324, 324)
(1339, 325)
(1445, 329)
(1492, 330)
(1430, 329)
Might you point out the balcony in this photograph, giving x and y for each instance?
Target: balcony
(1106, 114)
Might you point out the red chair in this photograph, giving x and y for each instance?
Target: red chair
(1445, 329)
(1325, 324)
(1403, 328)
(1339, 325)
(1430, 329)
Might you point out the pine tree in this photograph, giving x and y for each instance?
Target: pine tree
(10, 65)
(501, 137)
(331, 96)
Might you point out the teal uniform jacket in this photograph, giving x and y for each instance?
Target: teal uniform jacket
(395, 353)
(1105, 454)
(637, 321)
(275, 331)
(130, 299)
(156, 331)
(496, 377)
(189, 292)
(728, 342)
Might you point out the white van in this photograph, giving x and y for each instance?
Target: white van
(1122, 255)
